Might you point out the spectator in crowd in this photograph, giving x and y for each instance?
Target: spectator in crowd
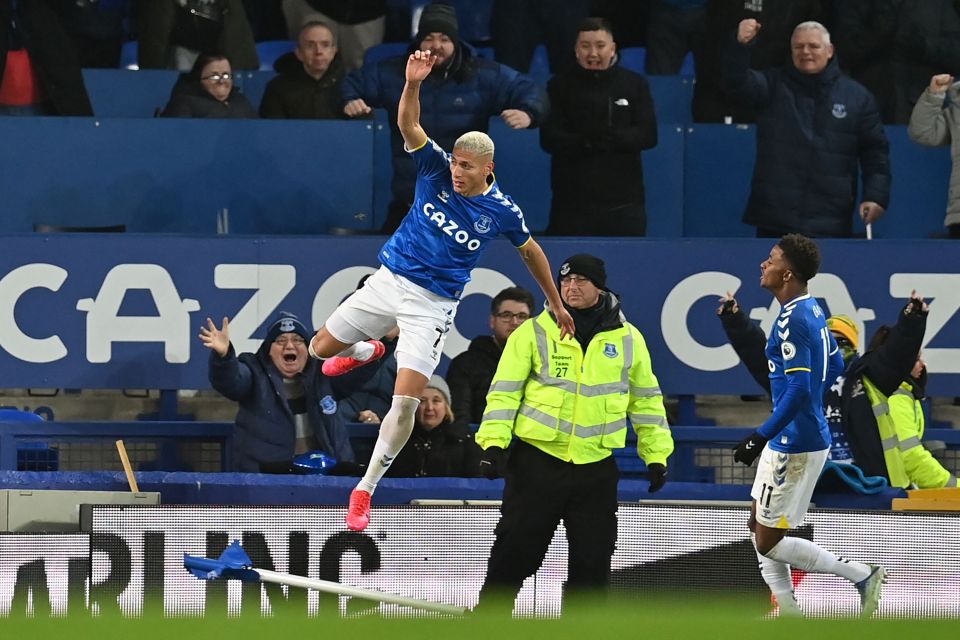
(357, 25)
(208, 92)
(461, 94)
(96, 28)
(710, 100)
(814, 126)
(174, 32)
(674, 28)
(471, 372)
(287, 406)
(927, 43)
(307, 85)
(865, 31)
(881, 399)
(567, 402)
(935, 121)
(518, 26)
(438, 446)
(601, 118)
(39, 70)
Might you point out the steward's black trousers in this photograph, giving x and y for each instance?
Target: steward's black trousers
(541, 491)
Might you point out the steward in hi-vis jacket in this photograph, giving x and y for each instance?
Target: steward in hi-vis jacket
(568, 402)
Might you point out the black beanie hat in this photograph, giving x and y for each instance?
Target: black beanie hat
(586, 265)
(438, 18)
(287, 323)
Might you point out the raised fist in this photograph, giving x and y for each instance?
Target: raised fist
(940, 83)
(747, 30)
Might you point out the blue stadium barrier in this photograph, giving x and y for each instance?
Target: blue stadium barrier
(686, 483)
(175, 175)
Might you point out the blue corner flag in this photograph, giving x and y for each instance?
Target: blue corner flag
(232, 563)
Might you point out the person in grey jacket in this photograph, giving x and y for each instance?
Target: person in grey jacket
(935, 121)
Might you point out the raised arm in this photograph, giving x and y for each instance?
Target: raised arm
(419, 65)
(536, 261)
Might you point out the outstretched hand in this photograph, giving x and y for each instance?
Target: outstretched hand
(216, 339)
(728, 304)
(419, 65)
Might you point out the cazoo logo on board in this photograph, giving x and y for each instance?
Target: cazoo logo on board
(273, 287)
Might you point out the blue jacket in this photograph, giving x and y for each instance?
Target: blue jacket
(812, 131)
(264, 430)
(462, 98)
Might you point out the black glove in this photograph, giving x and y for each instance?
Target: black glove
(915, 308)
(657, 475)
(493, 463)
(749, 448)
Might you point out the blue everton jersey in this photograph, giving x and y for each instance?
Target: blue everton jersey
(444, 234)
(800, 341)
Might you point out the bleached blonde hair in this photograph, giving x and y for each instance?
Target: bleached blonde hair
(813, 25)
(475, 142)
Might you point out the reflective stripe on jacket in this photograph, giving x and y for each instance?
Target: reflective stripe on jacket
(575, 405)
(900, 423)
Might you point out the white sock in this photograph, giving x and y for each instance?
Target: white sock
(395, 429)
(777, 576)
(808, 556)
(359, 351)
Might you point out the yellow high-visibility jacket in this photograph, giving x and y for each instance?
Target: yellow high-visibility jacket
(900, 423)
(574, 405)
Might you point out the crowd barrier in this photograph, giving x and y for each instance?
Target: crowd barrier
(308, 177)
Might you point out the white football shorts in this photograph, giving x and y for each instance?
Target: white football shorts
(387, 300)
(784, 485)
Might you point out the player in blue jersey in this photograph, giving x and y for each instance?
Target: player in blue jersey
(803, 359)
(458, 210)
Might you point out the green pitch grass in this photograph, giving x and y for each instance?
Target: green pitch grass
(653, 619)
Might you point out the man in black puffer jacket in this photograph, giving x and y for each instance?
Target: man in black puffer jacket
(602, 118)
(814, 126)
(471, 372)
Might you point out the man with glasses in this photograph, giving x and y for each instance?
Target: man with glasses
(568, 402)
(287, 406)
(471, 372)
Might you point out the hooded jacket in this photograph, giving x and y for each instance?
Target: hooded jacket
(599, 123)
(295, 94)
(815, 133)
(461, 97)
(189, 99)
(265, 431)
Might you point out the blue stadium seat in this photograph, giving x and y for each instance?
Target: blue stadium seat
(633, 58)
(383, 51)
(269, 50)
(129, 55)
